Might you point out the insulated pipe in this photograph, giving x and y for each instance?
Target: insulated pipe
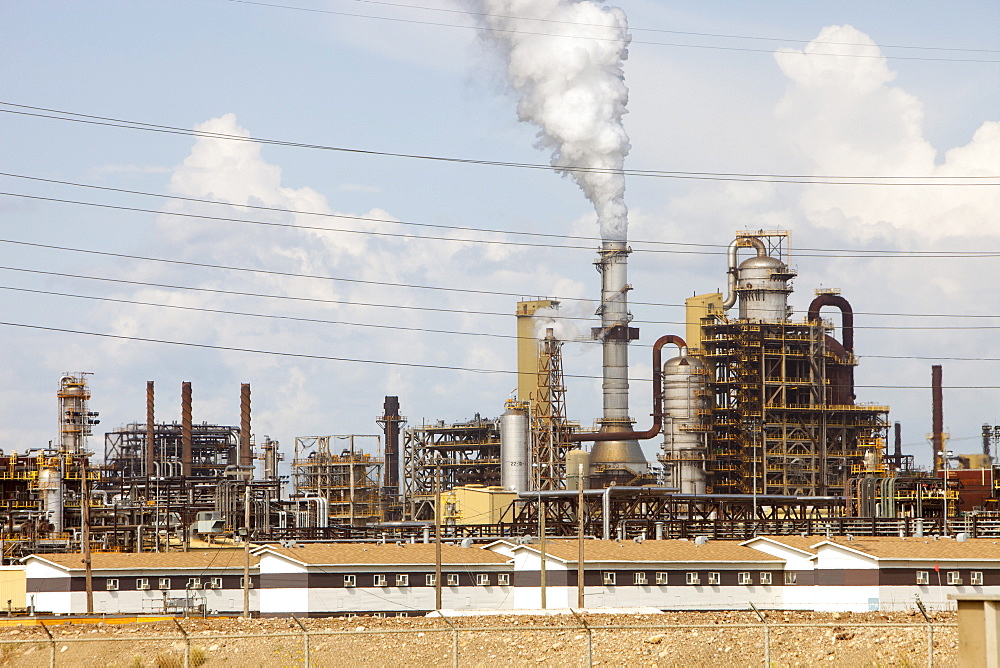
(187, 441)
(847, 315)
(741, 242)
(150, 429)
(245, 454)
(657, 401)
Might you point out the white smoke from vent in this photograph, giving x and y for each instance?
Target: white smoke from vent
(565, 62)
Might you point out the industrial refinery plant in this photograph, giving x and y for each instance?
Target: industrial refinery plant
(755, 416)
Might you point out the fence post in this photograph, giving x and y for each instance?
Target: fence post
(187, 644)
(52, 644)
(590, 640)
(454, 640)
(305, 640)
(767, 636)
(930, 632)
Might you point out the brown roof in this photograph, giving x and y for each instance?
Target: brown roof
(654, 551)
(893, 548)
(114, 561)
(390, 553)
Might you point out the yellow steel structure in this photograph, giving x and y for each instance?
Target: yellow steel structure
(701, 310)
(775, 426)
(349, 481)
(527, 351)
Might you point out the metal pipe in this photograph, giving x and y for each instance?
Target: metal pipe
(657, 401)
(390, 424)
(741, 242)
(898, 446)
(187, 441)
(847, 315)
(937, 417)
(150, 429)
(246, 457)
(614, 333)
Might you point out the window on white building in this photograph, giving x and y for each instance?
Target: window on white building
(954, 577)
(483, 579)
(216, 583)
(112, 584)
(923, 577)
(609, 578)
(765, 578)
(692, 579)
(640, 579)
(744, 578)
(350, 580)
(164, 583)
(402, 580)
(503, 579)
(714, 578)
(244, 585)
(791, 578)
(976, 578)
(380, 581)
(142, 583)
(661, 578)
(194, 583)
(453, 579)
(430, 580)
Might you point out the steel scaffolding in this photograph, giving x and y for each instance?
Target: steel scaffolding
(775, 428)
(350, 483)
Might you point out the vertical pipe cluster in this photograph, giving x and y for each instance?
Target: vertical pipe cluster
(150, 429)
(937, 417)
(187, 440)
(246, 457)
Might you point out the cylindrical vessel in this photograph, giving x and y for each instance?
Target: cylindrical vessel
(577, 469)
(614, 324)
(685, 404)
(515, 450)
(50, 484)
(762, 286)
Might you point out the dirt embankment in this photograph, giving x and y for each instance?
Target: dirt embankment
(671, 639)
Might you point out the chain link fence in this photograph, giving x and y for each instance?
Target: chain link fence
(564, 640)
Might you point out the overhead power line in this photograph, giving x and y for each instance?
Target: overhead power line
(873, 180)
(601, 39)
(416, 365)
(710, 248)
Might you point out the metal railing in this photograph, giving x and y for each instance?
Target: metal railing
(581, 648)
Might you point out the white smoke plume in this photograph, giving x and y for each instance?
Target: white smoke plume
(565, 62)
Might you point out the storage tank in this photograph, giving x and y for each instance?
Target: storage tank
(515, 448)
(577, 469)
(686, 403)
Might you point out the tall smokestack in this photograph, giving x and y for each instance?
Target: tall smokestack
(150, 430)
(187, 440)
(390, 421)
(614, 332)
(937, 417)
(898, 443)
(245, 455)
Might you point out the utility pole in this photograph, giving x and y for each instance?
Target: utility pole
(246, 551)
(579, 539)
(541, 546)
(85, 533)
(437, 537)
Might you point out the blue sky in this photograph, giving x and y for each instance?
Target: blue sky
(340, 77)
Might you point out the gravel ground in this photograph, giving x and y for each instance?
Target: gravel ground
(647, 640)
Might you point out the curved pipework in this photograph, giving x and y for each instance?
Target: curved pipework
(657, 400)
(742, 242)
(847, 315)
